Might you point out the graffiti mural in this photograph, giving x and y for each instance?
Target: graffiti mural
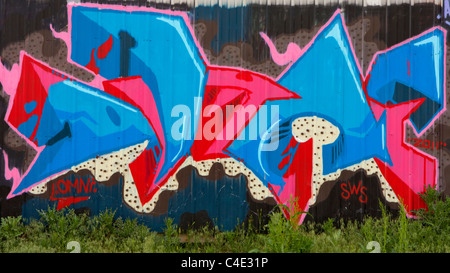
(155, 113)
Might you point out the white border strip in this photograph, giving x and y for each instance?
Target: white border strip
(240, 3)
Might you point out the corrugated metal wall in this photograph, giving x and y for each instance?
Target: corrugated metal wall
(214, 112)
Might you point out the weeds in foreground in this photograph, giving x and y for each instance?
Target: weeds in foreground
(106, 233)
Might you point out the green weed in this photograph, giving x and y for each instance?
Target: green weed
(106, 233)
(11, 228)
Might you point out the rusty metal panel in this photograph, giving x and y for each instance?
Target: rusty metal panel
(214, 112)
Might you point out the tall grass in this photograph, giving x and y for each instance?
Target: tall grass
(106, 233)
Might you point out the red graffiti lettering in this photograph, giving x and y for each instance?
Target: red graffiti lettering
(63, 191)
(427, 144)
(349, 189)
